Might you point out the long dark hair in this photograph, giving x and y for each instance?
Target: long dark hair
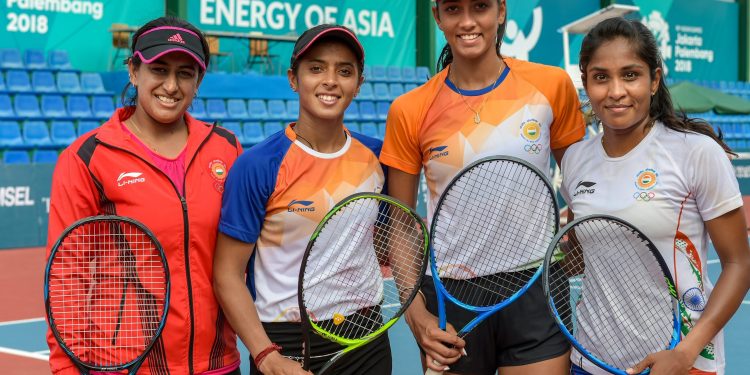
(644, 43)
(131, 100)
(446, 55)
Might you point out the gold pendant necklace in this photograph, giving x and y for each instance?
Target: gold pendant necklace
(477, 118)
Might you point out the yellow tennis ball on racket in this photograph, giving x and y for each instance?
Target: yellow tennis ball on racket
(338, 318)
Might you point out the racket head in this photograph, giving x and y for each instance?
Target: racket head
(344, 290)
(586, 260)
(106, 292)
(500, 203)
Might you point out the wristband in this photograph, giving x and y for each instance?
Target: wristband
(264, 353)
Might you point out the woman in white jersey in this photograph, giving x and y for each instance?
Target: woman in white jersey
(481, 104)
(668, 175)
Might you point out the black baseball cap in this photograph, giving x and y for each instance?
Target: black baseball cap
(310, 36)
(162, 40)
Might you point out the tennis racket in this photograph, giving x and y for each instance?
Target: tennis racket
(611, 292)
(106, 292)
(362, 268)
(491, 228)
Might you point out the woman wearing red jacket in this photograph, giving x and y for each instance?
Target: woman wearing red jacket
(153, 162)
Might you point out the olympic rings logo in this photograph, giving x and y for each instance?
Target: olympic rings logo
(644, 196)
(533, 148)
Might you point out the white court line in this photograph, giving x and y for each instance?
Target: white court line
(22, 353)
(22, 321)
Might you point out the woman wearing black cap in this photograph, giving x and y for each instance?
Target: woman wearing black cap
(279, 191)
(153, 162)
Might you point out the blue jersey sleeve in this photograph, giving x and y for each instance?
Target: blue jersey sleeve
(249, 185)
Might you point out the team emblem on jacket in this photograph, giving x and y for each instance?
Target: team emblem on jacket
(645, 180)
(218, 171)
(531, 131)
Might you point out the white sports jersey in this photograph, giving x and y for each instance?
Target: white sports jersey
(667, 186)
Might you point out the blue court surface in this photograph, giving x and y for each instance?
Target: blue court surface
(25, 339)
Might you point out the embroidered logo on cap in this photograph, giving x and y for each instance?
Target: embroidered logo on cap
(176, 38)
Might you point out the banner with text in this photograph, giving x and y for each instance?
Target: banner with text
(385, 28)
(24, 204)
(698, 38)
(80, 27)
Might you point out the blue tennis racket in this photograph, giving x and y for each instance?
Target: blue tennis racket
(611, 293)
(106, 291)
(490, 231)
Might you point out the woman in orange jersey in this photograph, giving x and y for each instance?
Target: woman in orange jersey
(153, 162)
(481, 104)
(277, 194)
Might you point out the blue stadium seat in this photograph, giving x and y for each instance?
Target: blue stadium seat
(367, 72)
(236, 109)
(43, 81)
(277, 109)
(367, 110)
(381, 131)
(6, 108)
(383, 109)
(86, 126)
(409, 74)
(353, 126)
(17, 81)
(216, 109)
(36, 133)
(396, 90)
(235, 128)
(10, 58)
(67, 82)
(53, 106)
(59, 60)
(10, 134)
(394, 73)
(423, 74)
(366, 92)
(62, 133)
(16, 157)
(252, 132)
(257, 109)
(79, 107)
(292, 109)
(198, 108)
(410, 86)
(26, 106)
(34, 59)
(92, 83)
(44, 157)
(102, 106)
(352, 112)
(3, 88)
(379, 74)
(272, 127)
(381, 91)
(369, 129)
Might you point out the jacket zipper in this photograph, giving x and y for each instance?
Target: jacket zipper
(186, 240)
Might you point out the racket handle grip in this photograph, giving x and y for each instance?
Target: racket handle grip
(431, 371)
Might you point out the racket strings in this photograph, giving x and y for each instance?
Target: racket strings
(365, 263)
(496, 221)
(612, 294)
(107, 288)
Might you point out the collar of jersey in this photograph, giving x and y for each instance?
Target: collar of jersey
(481, 91)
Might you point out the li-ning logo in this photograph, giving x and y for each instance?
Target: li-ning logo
(294, 206)
(438, 152)
(587, 188)
(176, 38)
(129, 178)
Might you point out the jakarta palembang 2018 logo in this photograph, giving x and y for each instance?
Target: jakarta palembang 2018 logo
(660, 28)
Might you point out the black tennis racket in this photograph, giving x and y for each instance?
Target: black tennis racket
(491, 228)
(106, 292)
(611, 292)
(362, 268)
